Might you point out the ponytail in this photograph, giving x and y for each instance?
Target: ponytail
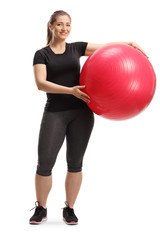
(49, 34)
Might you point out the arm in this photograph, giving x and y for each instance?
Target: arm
(91, 47)
(40, 74)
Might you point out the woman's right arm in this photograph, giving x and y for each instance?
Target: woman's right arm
(40, 74)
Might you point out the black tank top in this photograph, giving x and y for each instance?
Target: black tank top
(62, 69)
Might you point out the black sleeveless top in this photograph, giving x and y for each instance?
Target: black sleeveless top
(62, 69)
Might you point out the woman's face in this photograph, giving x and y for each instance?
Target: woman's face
(62, 27)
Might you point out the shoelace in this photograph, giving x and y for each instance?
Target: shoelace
(36, 205)
(70, 210)
(66, 203)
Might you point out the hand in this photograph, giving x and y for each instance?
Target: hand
(135, 45)
(79, 94)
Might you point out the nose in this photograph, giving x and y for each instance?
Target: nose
(64, 28)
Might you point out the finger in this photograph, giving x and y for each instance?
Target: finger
(84, 94)
(144, 53)
(81, 86)
(140, 49)
(85, 99)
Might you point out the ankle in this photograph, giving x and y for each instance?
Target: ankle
(68, 204)
(42, 204)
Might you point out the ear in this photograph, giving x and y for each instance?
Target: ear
(50, 26)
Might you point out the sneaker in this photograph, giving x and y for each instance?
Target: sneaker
(69, 216)
(39, 215)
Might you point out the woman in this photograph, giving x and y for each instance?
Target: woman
(57, 70)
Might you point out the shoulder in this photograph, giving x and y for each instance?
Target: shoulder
(42, 50)
(79, 46)
(78, 43)
(40, 55)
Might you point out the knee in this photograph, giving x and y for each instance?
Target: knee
(43, 171)
(75, 166)
(45, 165)
(74, 170)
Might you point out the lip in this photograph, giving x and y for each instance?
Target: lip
(63, 33)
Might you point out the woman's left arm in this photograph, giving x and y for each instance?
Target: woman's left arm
(91, 47)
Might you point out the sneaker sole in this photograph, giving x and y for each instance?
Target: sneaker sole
(34, 222)
(70, 223)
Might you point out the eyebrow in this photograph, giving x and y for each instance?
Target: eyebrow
(62, 22)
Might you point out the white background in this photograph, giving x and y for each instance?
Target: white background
(119, 197)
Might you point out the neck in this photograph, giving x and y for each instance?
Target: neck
(58, 43)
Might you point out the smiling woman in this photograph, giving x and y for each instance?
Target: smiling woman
(57, 72)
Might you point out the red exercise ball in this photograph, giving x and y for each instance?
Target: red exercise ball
(120, 81)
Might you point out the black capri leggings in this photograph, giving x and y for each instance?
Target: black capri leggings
(76, 125)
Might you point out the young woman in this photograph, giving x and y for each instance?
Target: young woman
(66, 114)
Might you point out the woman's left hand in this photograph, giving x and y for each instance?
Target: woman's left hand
(135, 45)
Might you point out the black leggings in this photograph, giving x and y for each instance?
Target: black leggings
(76, 125)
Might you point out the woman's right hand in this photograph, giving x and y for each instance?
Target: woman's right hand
(79, 94)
